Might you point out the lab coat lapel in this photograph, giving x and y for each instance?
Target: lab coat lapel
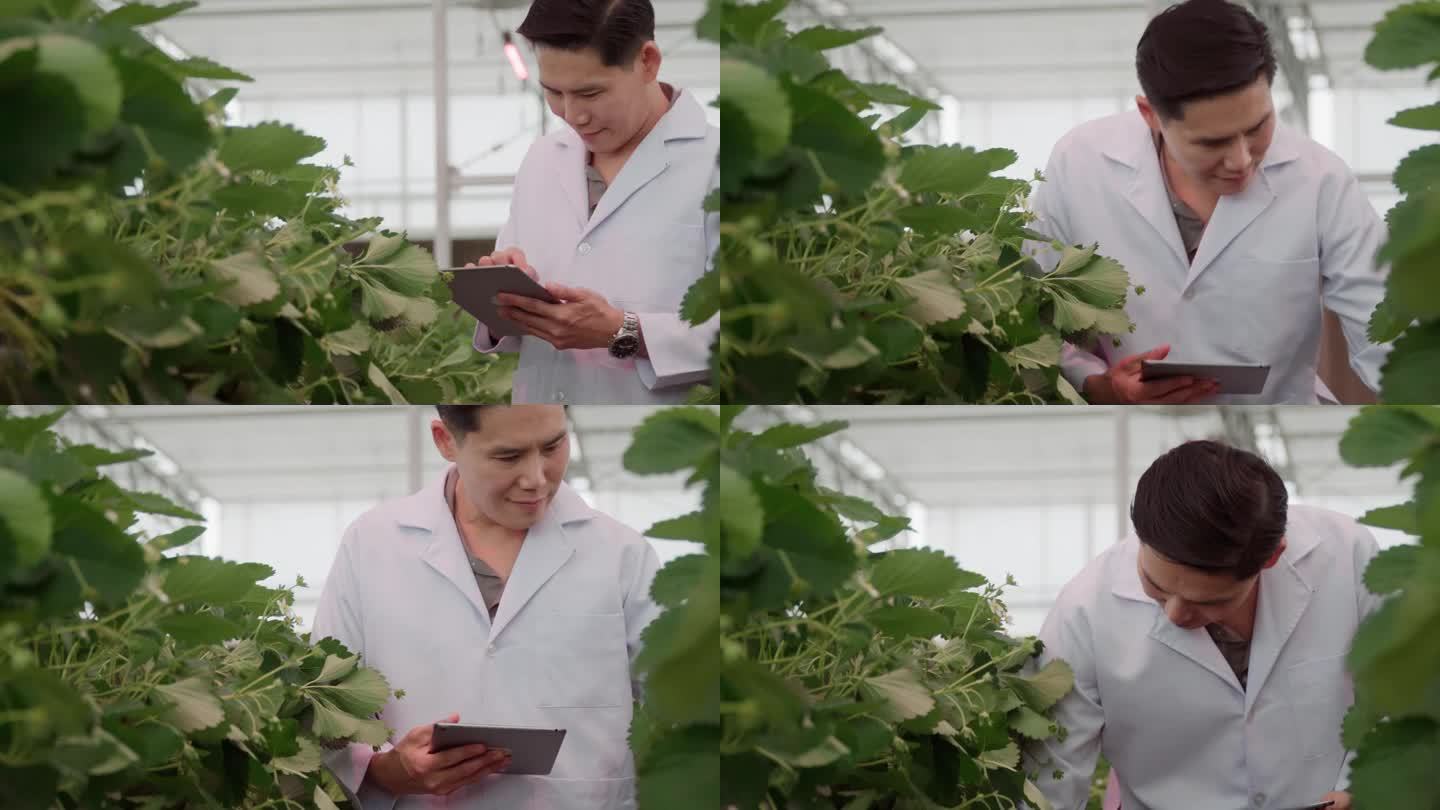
(427, 509)
(1146, 190)
(684, 120)
(547, 547)
(574, 188)
(1284, 596)
(1235, 212)
(1195, 645)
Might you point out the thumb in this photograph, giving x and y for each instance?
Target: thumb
(1157, 353)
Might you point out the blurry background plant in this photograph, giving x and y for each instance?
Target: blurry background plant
(129, 679)
(858, 270)
(1409, 38)
(848, 679)
(149, 253)
(1394, 726)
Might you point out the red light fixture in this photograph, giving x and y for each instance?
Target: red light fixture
(517, 62)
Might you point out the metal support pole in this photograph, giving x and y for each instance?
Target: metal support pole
(1122, 473)
(442, 136)
(413, 425)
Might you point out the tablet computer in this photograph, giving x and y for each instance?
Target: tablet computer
(1235, 378)
(532, 750)
(475, 288)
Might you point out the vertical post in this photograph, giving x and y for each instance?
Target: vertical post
(413, 426)
(1122, 472)
(442, 135)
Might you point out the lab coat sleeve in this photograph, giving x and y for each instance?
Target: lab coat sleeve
(484, 342)
(680, 353)
(1066, 636)
(1367, 603)
(640, 608)
(1076, 362)
(1351, 284)
(339, 616)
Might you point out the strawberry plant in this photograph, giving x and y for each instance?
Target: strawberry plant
(1408, 38)
(130, 679)
(847, 678)
(1394, 725)
(858, 269)
(149, 253)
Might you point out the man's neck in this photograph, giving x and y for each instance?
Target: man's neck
(1244, 623)
(478, 531)
(1202, 202)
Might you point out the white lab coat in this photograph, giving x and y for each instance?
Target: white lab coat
(558, 655)
(1303, 231)
(649, 240)
(1166, 709)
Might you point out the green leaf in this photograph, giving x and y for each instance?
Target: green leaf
(1031, 724)
(177, 538)
(355, 340)
(681, 577)
(1409, 371)
(205, 580)
(1420, 169)
(740, 514)
(331, 723)
(199, 67)
(97, 754)
(92, 456)
(812, 541)
(89, 70)
(108, 560)
(306, 760)
(1427, 117)
(1379, 437)
(702, 300)
(153, 504)
(1391, 568)
(902, 693)
(154, 743)
(362, 693)
(672, 440)
(271, 147)
(936, 299)
(134, 14)
(895, 96)
(1043, 689)
(908, 622)
(946, 169)
(17, 432)
(1408, 37)
(683, 764)
(410, 271)
(848, 151)
(759, 97)
(1007, 758)
(200, 628)
(1400, 517)
(686, 527)
(162, 119)
(26, 517)
(822, 38)
(250, 281)
(922, 573)
(1395, 766)
(935, 219)
(1044, 352)
(793, 434)
(193, 706)
(1095, 280)
(684, 640)
(376, 375)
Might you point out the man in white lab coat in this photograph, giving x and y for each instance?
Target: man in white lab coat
(1209, 646)
(609, 214)
(494, 596)
(1237, 228)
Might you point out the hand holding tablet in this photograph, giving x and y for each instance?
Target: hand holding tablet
(474, 288)
(1234, 378)
(532, 751)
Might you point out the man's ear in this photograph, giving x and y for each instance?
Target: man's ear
(1275, 558)
(1147, 111)
(650, 60)
(444, 442)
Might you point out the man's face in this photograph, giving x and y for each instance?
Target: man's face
(1220, 141)
(606, 106)
(513, 465)
(1193, 598)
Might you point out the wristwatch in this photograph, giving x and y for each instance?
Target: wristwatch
(627, 341)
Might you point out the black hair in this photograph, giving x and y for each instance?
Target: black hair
(615, 29)
(461, 420)
(1201, 49)
(1211, 506)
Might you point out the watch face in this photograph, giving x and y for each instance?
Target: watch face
(624, 346)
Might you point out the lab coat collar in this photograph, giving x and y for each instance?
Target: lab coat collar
(1135, 150)
(547, 547)
(685, 120)
(1285, 593)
